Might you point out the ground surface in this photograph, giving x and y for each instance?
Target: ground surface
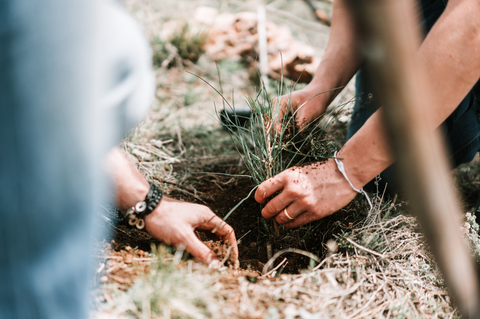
(372, 265)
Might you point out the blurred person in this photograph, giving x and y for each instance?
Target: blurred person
(450, 54)
(75, 76)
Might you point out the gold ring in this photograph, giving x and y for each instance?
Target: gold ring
(286, 214)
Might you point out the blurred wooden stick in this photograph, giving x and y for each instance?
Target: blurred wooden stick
(390, 39)
(262, 43)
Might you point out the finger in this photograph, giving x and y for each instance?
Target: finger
(277, 204)
(301, 220)
(268, 188)
(294, 210)
(224, 231)
(198, 249)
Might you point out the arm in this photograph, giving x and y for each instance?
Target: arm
(339, 63)
(450, 56)
(172, 221)
(450, 60)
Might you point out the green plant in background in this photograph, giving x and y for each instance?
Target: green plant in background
(161, 52)
(189, 43)
(184, 43)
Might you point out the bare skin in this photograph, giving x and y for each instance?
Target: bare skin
(449, 59)
(173, 221)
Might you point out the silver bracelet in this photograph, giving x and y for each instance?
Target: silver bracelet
(341, 168)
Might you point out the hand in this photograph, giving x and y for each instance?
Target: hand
(309, 103)
(174, 222)
(308, 193)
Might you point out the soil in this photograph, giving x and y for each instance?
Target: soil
(253, 232)
(221, 194)
(253, 237)
(223, 251)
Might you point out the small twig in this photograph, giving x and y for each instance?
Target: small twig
(364, 248)
(240, 240)
(111, 269)
(226, 256)
(120, 279)
(146, 259)
(284, 261)
(289, 250)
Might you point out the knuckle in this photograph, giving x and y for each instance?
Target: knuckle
(229, 229)
(266, 212)
(306, 203)
(294, 192)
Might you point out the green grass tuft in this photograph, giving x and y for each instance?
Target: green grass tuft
(183, 44)
(273, 142)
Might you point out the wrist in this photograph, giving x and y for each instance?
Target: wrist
(356, 174)
(136, 215)
(134, 193)
(366, 154)
(322, 93)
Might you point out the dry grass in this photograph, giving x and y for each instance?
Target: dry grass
(382, 270)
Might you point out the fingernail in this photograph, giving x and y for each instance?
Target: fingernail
(215, 264)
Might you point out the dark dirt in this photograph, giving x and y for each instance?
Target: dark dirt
(126, 236)
(314, 140)
(223, 251)
(222, 193)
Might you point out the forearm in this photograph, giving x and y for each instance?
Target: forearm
(367, 153)
(449, 59)
(341, 59)
(450, 56)
(130, 185)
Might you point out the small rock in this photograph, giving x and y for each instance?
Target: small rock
(128, 259)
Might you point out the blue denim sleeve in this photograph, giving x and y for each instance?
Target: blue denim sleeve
(49, 160)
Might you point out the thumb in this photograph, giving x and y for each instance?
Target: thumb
(198, 249)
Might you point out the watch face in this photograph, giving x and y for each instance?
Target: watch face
(140, 207)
